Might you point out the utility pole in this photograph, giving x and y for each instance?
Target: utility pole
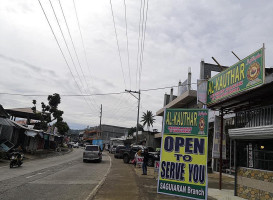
(100, 117)
(137, 92)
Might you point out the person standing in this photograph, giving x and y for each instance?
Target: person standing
(145, 161)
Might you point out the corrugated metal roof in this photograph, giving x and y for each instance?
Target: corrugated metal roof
(260, 132)
(25, 110)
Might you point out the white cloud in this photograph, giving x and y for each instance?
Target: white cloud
(179, 34)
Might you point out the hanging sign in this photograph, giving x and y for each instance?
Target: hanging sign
(240, 77)
(183, 164)
(217, 139)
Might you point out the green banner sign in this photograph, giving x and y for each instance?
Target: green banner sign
(183, 158)
(185, 121)
(244, 75)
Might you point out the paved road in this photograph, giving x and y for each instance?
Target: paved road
(60, 177)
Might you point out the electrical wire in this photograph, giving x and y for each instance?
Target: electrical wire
(84, 49)
(140, 19)
(117, 44)
(128, 55)
(61, 53)
(76, 52)
(143, 41)
(70, 54)
(98, 94)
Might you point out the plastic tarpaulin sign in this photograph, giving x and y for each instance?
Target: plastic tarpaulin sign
(183, 164)
(245, 75)
(98, 142)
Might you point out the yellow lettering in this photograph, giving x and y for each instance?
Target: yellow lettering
(216, 87)
(242, 70)
(195, 119)
(211, 88)
(232, 76)
(174, 118)
(168, 120)
(225, 80)
(228, 77)
(191, 119)
(188, 118)
(221, 83)
(237, 78)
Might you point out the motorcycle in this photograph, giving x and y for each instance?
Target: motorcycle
(16, 159)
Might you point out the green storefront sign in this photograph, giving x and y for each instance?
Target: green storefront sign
(244, 75)
(185, 121)
(184, 150)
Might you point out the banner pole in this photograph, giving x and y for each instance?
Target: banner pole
(221, 148)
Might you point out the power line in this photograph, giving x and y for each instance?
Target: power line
(127, 42)
(61, 53)
(75, 50)
(84, 49)
(69, 51)
(117, 43)
(140, 19)
(143, 41)
(58, 44)
(98, 94)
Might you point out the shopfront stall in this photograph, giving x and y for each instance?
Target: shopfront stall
(245, 89)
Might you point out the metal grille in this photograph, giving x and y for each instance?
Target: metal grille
(255, 117)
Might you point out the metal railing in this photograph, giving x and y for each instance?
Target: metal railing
(255, 117)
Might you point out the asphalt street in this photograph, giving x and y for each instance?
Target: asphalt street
(60, 177)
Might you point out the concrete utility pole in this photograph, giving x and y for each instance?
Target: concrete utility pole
(137, 92)
(100, 117)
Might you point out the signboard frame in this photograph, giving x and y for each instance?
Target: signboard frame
(250, 73)
(202, 131)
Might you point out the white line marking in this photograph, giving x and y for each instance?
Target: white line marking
(94, 191)
(35, 174)
(31, 176)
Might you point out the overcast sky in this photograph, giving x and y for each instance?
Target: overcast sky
(179, 34)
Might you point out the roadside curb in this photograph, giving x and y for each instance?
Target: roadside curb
(96, 189)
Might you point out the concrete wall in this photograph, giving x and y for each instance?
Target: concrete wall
(254, 183)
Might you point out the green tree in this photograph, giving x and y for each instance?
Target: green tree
(148, 119)
(50, 113)
(133, 129)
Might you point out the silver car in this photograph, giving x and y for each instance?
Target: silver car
(92, 152)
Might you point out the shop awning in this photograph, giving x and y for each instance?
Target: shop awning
(260, 132)
(31, 133)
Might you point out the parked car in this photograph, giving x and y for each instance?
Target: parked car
(92, 152)
(129, 155)
(75, 145)
(153, 156)
(119, 153)
(113, 149)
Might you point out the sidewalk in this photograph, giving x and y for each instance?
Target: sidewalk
(126, 182)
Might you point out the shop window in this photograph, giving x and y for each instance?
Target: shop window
(255, 154)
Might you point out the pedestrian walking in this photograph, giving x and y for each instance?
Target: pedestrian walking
(145, 161)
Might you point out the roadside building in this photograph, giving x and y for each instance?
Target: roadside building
(186, 98)
(109, 131)
(249, 98)
(23, 134)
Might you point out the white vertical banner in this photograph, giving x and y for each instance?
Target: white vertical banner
(216, 139)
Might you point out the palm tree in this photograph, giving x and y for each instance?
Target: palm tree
(148, 119)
